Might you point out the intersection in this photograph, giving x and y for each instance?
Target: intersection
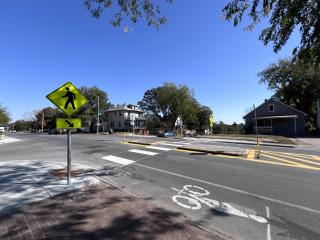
(282, 186)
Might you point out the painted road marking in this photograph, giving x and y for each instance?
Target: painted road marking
(304, 208)
(194, 195)
(143, 152)
(183, 143)
(294, 158)
(282, 160)
(119, 160)
(268, 224)
(171, 144)
(159, 148)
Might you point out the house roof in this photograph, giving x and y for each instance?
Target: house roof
(276, 102)
(126, 107)
(276, 117)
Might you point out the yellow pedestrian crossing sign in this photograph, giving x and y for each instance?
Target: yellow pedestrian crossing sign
(68, 123)
(68, 98)
(211, 120)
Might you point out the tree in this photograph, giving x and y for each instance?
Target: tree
(296, 83)
(131, 9)
(203, 117)
(284, 16)
(169, 101)
(88, 114)
(23, 125)
(49, 116)
(4, 116)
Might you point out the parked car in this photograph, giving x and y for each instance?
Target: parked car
(167, 134)
(53, 131)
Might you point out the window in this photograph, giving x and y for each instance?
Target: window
(119, 124)
(115, 113)
(112, 124)
(271, 108)
(119, 114)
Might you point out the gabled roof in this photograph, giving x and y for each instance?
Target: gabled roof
(126, 107)
(276, 102)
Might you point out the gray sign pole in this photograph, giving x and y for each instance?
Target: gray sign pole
(69, 158)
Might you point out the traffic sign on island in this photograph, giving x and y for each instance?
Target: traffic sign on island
(211, 121)
(68, 123)
(68, 98)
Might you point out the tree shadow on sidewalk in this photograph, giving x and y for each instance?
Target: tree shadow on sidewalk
(98, 212)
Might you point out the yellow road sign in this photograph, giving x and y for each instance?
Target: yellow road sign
(67, 123)
(211, 120)
(68, 98)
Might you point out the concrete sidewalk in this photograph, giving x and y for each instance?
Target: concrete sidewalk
(9, 140)
(37, 205)
(22, 182)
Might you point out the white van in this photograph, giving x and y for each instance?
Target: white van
(1, 129)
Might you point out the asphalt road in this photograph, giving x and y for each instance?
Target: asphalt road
(282, 187)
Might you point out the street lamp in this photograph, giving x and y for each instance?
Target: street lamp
(98, 111)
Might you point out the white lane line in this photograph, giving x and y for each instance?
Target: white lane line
(143, 152)
(307, 209)
(160, 148)
(268, 225)
(119, 160)
(171, 144)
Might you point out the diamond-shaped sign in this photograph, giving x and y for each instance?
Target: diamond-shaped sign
(211, 120)
(68, 98)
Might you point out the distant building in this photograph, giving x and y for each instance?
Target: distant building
(276, 118)
(123, 117)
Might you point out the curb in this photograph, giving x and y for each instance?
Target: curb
(137, 143)
(213, 152)
(266, 144)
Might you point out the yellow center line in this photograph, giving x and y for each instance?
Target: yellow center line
(298, 159)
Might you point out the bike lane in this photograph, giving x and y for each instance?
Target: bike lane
(167, 187)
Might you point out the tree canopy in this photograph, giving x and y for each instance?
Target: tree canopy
(284, 17)
(88, 114)
(4, 116)
(170, 101)
(133, 10)
(296, 83)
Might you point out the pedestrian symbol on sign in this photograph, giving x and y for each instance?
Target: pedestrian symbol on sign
(71, 97)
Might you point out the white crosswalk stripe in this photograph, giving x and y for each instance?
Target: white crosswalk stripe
(171, 144)
(160, 148)
(119, 160)
(143, 152)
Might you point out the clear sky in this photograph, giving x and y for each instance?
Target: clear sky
(44, 44)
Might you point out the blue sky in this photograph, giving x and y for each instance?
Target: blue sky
(44, 44)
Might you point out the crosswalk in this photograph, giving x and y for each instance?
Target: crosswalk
(149, 151)
(276, 158)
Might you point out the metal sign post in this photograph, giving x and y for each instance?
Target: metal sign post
(69, 158)
(69, 99)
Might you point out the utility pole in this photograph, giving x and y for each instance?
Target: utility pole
(98, 114)
(255, 119)
(42, 120)
(256, 122)
(132, 123)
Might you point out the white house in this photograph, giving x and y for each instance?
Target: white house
(123, 117)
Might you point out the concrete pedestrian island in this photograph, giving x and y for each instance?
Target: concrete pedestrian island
(215, 149)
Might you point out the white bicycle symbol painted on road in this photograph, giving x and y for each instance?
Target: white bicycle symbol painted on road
(191, 197)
